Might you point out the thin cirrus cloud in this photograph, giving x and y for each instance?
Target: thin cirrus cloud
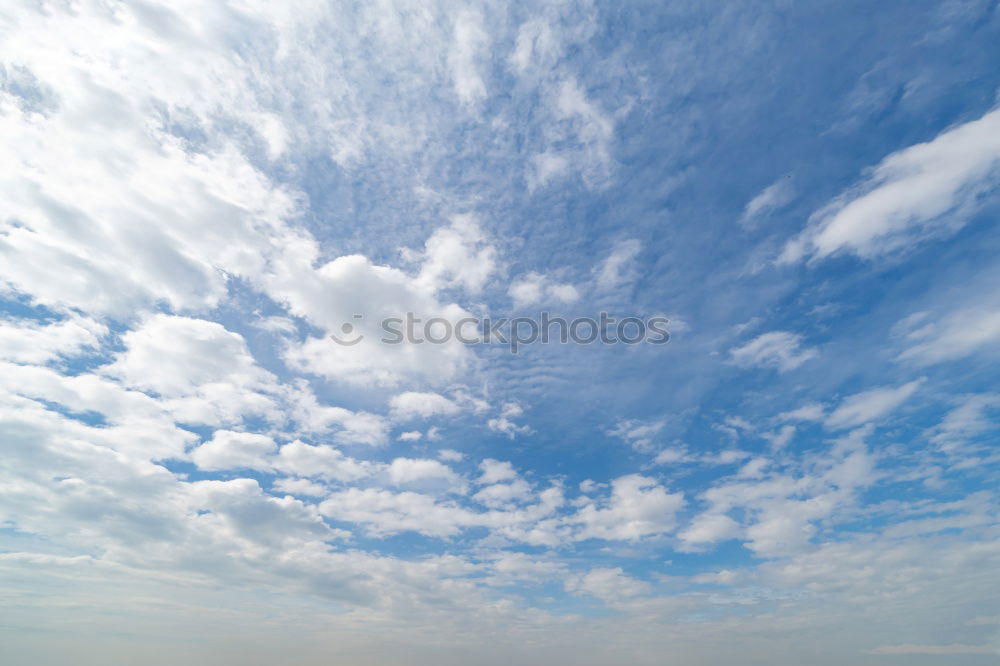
(782, 350)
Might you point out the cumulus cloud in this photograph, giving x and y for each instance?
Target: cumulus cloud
(494, 471)
(533, 288)
(709, 528)
(405, 471)
(504, 423)
(321, 462)
(33, 342)
(637, 507)
(412, 404)
(234, 450)
(458, 255)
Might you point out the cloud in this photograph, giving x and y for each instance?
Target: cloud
(412, 405)
(504, 494)
(321, 462)
(771, 198)
(406, 471)
(234, 450)
(638, 507)
(710, 528)
(172, 168)
(494, 471)
(330, 296)
(638, 434)
(778, 349)
(174, 356)
(618, 267)
(471, 42)
(32, 342)
(300, 487)
(966, 421)
(925, 190)
(957, 335)
(609, 584)
(810, 412)
(451, 455)
(533, 288)
(593, 129)
(505, 424)
(385, 512)
(870, 405)
(458, 255)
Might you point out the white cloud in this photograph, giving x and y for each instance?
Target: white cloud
(969, 419)
(151, 221)
(404, 471)
(810, 412)
(609, 584)
(710, 528)
(533, 288)
(593, 128)
(618, 267)
(451, 455)
(176, 356)
(330, 296)
(771, 198)
(954, 336)
(503, 494)
(458, 255)
(505, 422)
(31, 342)
(385, 512)
(546, 167)
(926, 189)
(870, 405)
(537, 44)
(412, 405)
(300, 487)
(638, 507)
(778, 349)
(347, 427)
(494, 471)
(320, 461)
(640, 435)
(782, 437)
(234, 450)
(471, 43)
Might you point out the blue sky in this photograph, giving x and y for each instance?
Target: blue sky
(196, 195)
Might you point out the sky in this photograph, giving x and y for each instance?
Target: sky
(198, 198)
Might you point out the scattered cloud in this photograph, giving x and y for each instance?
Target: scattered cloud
(871, 405)
(781, 350)
(928, 189)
